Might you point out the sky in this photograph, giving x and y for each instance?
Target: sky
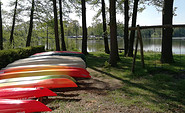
(150, 16)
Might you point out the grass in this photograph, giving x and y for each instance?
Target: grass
(157, 88)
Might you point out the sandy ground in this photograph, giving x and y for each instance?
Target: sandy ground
(91, 96)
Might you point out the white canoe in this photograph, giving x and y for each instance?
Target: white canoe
(50, 60)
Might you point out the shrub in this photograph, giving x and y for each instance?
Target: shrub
(11, 55)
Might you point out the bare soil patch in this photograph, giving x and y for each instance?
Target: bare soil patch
(92, 96)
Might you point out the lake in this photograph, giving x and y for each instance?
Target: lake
(150, 44)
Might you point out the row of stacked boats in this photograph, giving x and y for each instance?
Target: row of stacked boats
(25, 80)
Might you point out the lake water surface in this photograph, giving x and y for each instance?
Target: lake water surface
(150, 44)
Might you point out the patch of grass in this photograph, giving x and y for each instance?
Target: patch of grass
(162, 78)
(156, 87)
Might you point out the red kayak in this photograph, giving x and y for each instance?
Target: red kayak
(76, 73)
(47, 83)
(25, 93)
(22, 106)
(58, 52)
(39, 67)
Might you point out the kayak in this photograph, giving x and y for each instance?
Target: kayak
(38, 67)
(72, 65)
(45, 53)
(48, 60)
(22, 106)
(64, 59)
(35, 78)
(47, 83)
(25, 93)
(61, 53)
(76, 73)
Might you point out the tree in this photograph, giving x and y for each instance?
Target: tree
(105, 28)
(61, 27)
(126, 33)
(120, 29)
(167, 55)
(1, 30)
(76, 26)
(13, 23)
(132, 34)
(96, 28)
(102, 12)
(31, 25)
(56, 26)
(114, 56)
(84, 27)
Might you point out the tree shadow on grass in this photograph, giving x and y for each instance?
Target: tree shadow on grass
(67, 95)
(92, 85)
(50, 100)
(168, 92)
(142, 86)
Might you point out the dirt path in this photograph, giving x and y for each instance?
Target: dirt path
(92, 96)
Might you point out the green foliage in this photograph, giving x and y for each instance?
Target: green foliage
(107, 65)
(179, 32)
(96, 29)
(120, 29)
(8, 56)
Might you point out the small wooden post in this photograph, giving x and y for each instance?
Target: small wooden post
(141, 45)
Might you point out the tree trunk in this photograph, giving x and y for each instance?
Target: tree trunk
(126, 32)
(61, 27)
(47, 40)
(126, 26)
(105, 28)
(1, 30)
(167, 55)
(114, 56)
(31, 25)
(84, 28)
(132, 35)
(13, 24)
(56, 26)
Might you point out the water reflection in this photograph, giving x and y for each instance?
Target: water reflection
(150, 44)
(154, 44)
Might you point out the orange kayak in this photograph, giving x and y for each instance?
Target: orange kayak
(39, 67)
(76, 73)
(47, 83)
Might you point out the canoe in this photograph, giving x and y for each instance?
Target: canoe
(61, 53)
(38, 67)
(76, 73)
(35, 78)
(75, 65)
(66, 60)
(22, 106)
(47, 83)
(25, 93)
(50, 52)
